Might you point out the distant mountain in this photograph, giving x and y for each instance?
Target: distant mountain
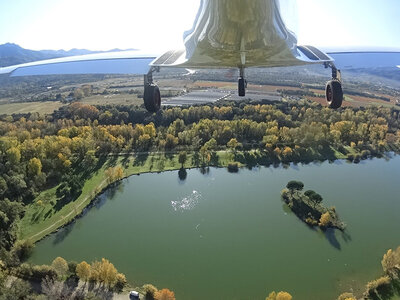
(12, 54)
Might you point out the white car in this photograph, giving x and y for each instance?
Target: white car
(134, 295)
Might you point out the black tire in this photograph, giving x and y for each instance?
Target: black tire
(152, 98)
(334, 93)
(241, 87)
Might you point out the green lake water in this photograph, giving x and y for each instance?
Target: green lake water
(228, 236)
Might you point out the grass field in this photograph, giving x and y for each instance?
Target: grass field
(46, 107)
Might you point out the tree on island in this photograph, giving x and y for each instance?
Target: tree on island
(294, 185)
(325, 219)
(314, 197)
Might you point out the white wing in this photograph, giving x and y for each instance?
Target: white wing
(124, 62)
(365, 58)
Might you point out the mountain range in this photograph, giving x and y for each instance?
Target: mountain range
(13, 54)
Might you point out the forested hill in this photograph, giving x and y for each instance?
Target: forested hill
(12, 54)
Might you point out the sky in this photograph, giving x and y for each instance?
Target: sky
(158, 25)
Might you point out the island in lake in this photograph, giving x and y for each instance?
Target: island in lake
(307, 206)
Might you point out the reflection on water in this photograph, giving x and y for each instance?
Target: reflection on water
(187, 203)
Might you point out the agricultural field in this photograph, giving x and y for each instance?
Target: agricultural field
(46, 107)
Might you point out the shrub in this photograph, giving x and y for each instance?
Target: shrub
(27, 271)
(149, 291)
(374, 286)
(279, 296)
(120, 282)
(347, 296)
(72, 267)
(233, 167)
(23, 249)
(391, 262)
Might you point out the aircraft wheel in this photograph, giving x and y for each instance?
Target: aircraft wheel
(242, 87)
(152, 98)
(334, 93)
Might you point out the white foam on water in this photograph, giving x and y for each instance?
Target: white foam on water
(187, 203)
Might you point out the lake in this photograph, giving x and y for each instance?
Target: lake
(222, 235)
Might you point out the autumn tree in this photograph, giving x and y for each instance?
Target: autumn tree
(205, 154)
(325, 219)
(149, 291)
(34, 166)
(347, 296)
(391, 262)
(104, 272)
(83, 271)
(164, 294)
(233, 144)
(60, 265)
(13, 155)
(279, 296)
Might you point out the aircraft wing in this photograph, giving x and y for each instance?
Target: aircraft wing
(123, 62)
(365, 58)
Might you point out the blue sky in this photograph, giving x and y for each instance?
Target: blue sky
(159, 24)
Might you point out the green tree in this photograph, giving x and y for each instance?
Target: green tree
(182, 158)
(149, 291)
(314, 197)
(294, 185)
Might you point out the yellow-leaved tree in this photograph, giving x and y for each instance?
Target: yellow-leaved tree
(325, 219)
(104, 271)
(346, 296)
(34, 166)
(60, 265)
(83, 271)
(279, 296)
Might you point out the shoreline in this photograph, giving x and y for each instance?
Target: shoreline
(128, 173)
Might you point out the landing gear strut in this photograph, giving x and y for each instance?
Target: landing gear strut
(333, 89)
(242, 84)
(151, 95)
